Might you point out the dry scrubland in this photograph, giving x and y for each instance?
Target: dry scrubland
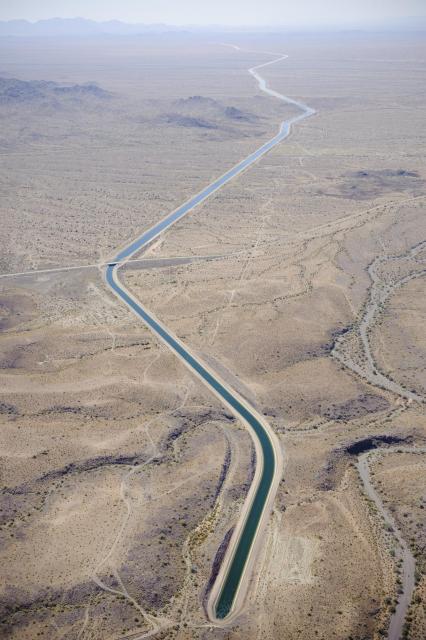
(302, 283)
(400, 477)
(95, 166)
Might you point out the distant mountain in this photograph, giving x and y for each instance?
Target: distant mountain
(76, 27)
(84, 27)
(208, 107)
(13, 91)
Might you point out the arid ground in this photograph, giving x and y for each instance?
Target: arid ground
(302, 283)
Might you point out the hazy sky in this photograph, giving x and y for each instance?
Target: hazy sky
(243, 12)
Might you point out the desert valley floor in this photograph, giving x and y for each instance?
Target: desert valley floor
(302, 283)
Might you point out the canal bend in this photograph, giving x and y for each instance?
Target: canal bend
(268, 455)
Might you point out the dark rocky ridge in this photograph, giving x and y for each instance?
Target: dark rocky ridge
(371, 183)
(206, 113)
(14, 91)
(330, 475)
(373, 442)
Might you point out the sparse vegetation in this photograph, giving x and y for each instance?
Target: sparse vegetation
(122, 476)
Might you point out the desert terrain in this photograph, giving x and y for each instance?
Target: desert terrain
(301, 283)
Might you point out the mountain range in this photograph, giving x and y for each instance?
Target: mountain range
(84, 27)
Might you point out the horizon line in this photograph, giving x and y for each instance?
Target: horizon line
(295, 25)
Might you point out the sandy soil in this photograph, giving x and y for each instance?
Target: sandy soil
(121, 476)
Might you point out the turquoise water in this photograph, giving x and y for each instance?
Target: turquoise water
(232, 580)
(248, 532)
